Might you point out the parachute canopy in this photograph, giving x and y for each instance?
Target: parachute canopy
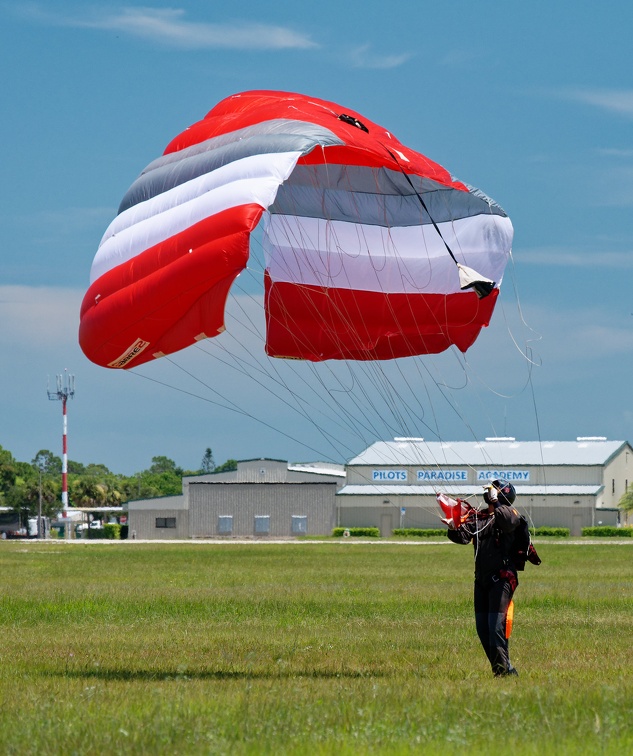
(372, 251)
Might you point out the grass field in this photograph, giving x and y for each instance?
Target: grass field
(306, 648)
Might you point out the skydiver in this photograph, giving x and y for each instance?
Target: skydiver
(492, 533)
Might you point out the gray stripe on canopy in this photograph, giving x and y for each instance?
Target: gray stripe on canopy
(176, 168)
(375, 196)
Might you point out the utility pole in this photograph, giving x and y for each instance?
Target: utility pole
(65, 390)
(40, 534)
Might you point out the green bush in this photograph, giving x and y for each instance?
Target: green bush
(546, 531)
(420, 532)
(112, 531)
(109, 532)
(608, 531)
(357, 532)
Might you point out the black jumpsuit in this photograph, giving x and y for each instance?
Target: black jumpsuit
(496, 579)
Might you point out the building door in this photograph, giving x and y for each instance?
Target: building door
(386, 524)
(576, 525)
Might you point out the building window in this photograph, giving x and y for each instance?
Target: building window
(612, 485)
(225, 524)
(165, 522)
(262, 524)
(299, 525)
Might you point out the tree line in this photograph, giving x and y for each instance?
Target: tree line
(92, 485)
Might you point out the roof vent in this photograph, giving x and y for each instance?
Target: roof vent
(591, 438)
(500, 438)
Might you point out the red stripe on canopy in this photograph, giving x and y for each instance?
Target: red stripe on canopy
(375, 148)
(316, 323)
(167, 295)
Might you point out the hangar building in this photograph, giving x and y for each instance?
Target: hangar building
(262, 498)
(572, 484)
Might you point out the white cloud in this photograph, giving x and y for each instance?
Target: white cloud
(459, 58)
(38, 317)
(169, 26)
(618, 101)
(615, 152)
(565, 258)
(582, 338)
(364, 57)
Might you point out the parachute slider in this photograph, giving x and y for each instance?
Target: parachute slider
(470, 279)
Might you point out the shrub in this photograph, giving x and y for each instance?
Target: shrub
(546, 531)
(111, 531)
(357, 532)
(420, 532)
(608, 531)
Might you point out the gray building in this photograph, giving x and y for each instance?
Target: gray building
(262, 498)
(571, 484)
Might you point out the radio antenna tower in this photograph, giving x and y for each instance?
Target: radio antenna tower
(65, 391)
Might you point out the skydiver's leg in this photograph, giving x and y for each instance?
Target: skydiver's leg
(500, 595)
(481, 617)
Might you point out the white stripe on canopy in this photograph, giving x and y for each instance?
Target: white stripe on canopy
(254, 179)
(411, 259)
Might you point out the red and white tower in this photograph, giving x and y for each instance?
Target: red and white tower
(65, 391)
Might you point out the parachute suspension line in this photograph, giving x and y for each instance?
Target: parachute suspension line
(245, 367)
(538, 336)
(229, 404)
(379, 380)
(424, 207)
(355, 423)
(284, 395)
(455, 408)
(269, 371)
(242, 366)
(538, 428)
(468, 278)
(360, 421)
(390, 396)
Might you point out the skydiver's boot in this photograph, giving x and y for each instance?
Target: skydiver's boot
(509, 672)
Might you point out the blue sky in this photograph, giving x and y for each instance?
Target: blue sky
(531, 103)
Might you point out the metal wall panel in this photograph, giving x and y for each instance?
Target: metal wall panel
(366, 515)
(142, 524)
(245, 501)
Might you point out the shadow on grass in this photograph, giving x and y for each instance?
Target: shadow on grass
(150, 675)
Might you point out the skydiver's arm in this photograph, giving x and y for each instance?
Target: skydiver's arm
(459, 535)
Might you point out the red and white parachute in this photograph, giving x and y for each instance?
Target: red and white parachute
(371, 248)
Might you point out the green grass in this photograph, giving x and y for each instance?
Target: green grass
(336, 648)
